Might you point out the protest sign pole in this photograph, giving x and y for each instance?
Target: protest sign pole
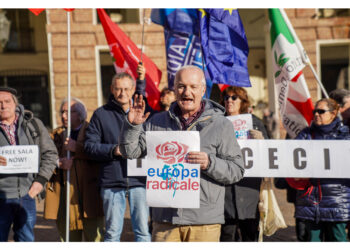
(69, 123)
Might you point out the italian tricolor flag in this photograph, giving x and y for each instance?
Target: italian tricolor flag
(288, 60)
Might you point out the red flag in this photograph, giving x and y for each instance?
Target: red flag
(222, 86)
(127, 57)
(36, 11)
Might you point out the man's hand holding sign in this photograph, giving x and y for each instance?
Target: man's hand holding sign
(3, 161)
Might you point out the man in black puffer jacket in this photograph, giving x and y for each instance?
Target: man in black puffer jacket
(101, 143)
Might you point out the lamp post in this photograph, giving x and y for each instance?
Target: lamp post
(4, 28)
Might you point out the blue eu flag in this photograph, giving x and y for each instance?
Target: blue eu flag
(183, 45)
(224, 46)
(177, 20)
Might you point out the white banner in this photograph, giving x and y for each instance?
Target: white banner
(242, 124)
(20, 159)
(170, 181)
(296, 158)
(137, 167)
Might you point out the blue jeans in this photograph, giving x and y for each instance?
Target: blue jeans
(21, 212)
(114, 204)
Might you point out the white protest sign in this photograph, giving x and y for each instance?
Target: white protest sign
(137, 167)
(20, 159)
(170, 181)
(296, 158)
(242, 124)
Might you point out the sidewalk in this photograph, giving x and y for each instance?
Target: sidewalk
(46, 231)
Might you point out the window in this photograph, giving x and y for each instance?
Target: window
(328, 13)
(335, 66)
(107, 73)
(32, 90)
(123, 15)
(21, 33)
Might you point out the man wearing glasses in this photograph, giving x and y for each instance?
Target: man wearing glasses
(101, 143)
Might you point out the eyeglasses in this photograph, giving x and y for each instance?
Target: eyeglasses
(233, 98)
(320, 111)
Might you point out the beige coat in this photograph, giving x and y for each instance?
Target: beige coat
(83, 183)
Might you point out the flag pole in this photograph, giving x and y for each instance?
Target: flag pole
(69, 124)
(203, 63)
(302, 51)
(143, 33)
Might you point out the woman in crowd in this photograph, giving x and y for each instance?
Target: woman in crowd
(242, 198)
(324, 204)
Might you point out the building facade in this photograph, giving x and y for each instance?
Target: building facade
(34, 60)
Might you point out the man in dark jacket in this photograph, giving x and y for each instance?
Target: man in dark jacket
(220, 156)
(18, 190)
(101, 143)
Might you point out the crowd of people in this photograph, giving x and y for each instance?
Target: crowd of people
(100, 186)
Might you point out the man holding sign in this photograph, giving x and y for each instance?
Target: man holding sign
(18, 189)
(219, 157)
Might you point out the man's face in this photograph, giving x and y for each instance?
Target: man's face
(74, 116)
(189, 90)
(7, 107)
(123, 90)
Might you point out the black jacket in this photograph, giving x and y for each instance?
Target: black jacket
(242, 198)
(102, 137)
(329, 199)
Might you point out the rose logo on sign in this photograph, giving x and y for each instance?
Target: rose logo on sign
(239, 124)
(171, 152)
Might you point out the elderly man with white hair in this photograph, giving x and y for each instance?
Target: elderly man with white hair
(219, 157)
(86, 213)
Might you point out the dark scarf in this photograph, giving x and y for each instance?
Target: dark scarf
(318, 132)
(185, 123)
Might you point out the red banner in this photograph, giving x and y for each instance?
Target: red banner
(36, 11)
(127, 56)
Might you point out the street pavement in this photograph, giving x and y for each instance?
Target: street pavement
(46, 231)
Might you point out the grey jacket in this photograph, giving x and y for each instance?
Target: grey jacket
(17, 185)
(217, 140)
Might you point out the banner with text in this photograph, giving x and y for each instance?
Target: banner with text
(242, 124)
(170, 181)
(20, 159)
(296, 158)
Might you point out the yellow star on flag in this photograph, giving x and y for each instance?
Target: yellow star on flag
(230, 10)
(203, 12)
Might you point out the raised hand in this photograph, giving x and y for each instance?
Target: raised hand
(136, 114)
